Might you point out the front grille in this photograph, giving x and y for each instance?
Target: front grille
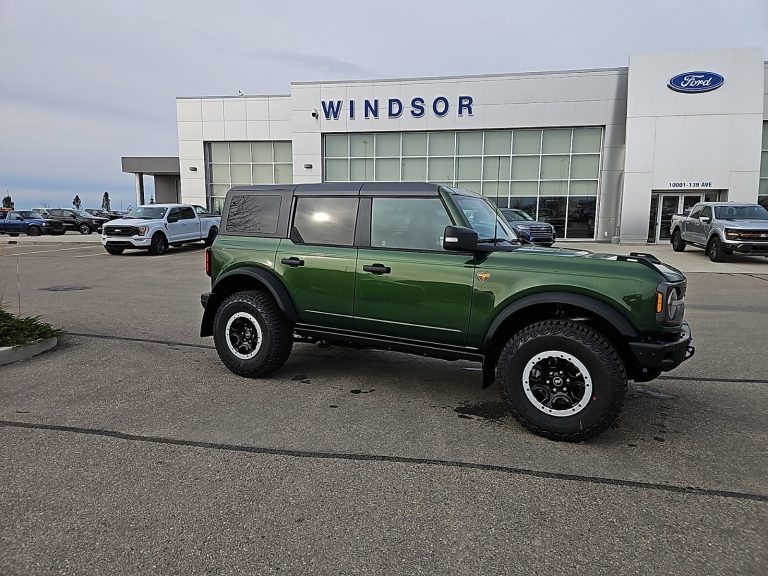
(752, 235)
(120, 231)
(540, 232)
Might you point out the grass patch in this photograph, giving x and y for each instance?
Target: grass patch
(16, 331)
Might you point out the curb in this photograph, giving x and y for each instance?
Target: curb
(11, 354)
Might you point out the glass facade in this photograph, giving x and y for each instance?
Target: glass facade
(762, 191)
(553, 174)
(230, 164)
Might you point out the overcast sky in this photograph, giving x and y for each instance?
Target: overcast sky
(83, 83)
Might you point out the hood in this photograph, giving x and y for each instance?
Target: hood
(131, 222)
(745, 224)
(670, 273)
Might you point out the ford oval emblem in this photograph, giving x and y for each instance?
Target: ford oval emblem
(694, 82)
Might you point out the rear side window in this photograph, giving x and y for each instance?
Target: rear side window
(253, 214)
(187, 213)
(325, 221)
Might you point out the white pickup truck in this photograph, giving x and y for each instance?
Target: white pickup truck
(154, 227)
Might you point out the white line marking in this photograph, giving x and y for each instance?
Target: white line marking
(91, 255)
(57, 250)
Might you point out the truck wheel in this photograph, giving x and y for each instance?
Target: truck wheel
(159, 244)
(716, 251)
(562, 380)
(251, 335)
(114, 251)
(212, 233)
(84, 229)
(678, 244)
(33, 231)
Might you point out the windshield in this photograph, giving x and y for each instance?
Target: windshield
(146, 212)
(83, 213)
(517, 215)
(741, 213)
(485, 219)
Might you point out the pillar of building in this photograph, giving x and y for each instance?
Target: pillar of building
(139, 189)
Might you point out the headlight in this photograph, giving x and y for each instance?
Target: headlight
(670, 303)
(523, 226)
(732, 234)
(44, 224)
(143, 230)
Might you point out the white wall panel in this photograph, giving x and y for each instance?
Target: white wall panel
(189, 110)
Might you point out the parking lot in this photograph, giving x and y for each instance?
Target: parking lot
(130, 448)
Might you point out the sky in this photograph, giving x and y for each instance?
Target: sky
(83, 83)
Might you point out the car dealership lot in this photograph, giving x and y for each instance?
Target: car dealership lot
(131, 448)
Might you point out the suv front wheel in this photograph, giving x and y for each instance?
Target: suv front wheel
(251, 335)
(562, 380)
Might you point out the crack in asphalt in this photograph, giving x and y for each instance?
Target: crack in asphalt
(357, 457)
(206, 347)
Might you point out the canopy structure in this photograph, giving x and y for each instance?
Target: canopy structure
(164, 170)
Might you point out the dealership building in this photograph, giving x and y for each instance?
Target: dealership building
(606, 154)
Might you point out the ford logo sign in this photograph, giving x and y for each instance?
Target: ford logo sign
(693, 82)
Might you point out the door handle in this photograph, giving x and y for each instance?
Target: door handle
(377, 269)
(293, 262)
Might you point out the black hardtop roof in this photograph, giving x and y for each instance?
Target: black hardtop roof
(351, 189)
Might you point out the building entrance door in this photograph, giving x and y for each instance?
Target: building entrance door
(663, 207)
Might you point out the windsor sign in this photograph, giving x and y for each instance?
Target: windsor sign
(375, 108)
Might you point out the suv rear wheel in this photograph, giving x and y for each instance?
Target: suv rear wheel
(678, 244)
(251, 335)
(562, 380)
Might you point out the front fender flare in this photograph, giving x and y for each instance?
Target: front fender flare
(598, 307)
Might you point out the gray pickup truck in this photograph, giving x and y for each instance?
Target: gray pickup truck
(722, 228)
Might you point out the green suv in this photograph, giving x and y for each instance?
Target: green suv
(437, 271)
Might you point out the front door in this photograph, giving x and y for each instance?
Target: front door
(669, 205)
(317, 263)
(407, 285)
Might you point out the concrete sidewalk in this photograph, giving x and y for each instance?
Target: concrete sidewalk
(692, 260)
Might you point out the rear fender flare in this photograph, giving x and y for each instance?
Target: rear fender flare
(264, 278)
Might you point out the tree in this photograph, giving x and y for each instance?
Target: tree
(105, 202)
(8, 202)
(76, 202)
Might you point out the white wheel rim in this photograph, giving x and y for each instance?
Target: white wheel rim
(565, 391)
(239, 342)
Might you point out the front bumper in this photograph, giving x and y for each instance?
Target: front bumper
(746, 247)
(664, 355)
(125, 242)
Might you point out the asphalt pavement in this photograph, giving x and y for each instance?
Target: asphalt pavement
(130, 449)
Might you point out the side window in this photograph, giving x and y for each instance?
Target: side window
(174, 213)
(3, 215)
(325, 221)
(707, 212)
(187, 213)
(415, 223)
(253, 214)
(15, 216)
(696, 212)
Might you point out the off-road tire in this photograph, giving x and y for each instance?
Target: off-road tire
(34, 231)
(114, 251)
(605, 366)
(678, 244)
(159, 244)
(276, 334)
(84, 229)
(212, 233)
(716, 251)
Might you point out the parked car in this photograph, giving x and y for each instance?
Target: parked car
(722, 228)
(155, 226)
(528, 229)
(103, 213)
(27, 222)
(79, 220)
(437, 271)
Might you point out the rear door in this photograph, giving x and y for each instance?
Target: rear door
(407, 285)
(317, 262)
(190, 223)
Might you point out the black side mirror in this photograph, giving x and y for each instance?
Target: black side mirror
(172, 219)
(459, 238)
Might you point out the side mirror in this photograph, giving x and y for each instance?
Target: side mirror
(705, 219)
(458, 238)
(172, 219)
(20, 218)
